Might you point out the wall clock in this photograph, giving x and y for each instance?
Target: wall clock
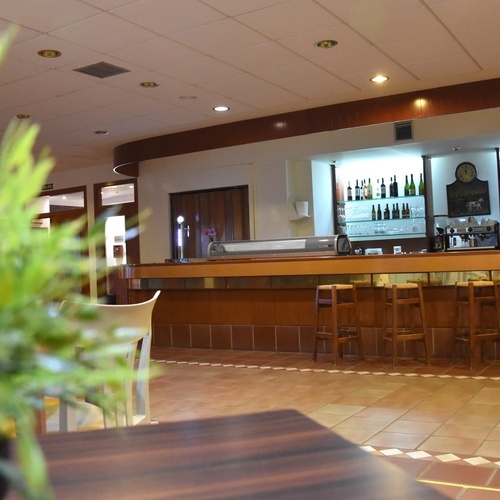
(468, 195)
(466, 172)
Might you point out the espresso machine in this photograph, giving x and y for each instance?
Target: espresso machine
(472, 235)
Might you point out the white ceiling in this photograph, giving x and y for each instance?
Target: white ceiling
(256, 56)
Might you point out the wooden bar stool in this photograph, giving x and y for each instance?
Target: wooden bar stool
(343, 303)
(469, 325)
(404, 319)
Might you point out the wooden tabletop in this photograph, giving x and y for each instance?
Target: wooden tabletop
(279, 454)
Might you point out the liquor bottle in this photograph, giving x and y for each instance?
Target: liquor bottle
(374, 214)
(357, 193)
(407, 187)
(379, 213)
(349, 191)
(398, 213)
(377, 189)
(403, 212)
(369, 189)
(387, 214)
(421, 186)
(395, 189)
(382, 189)
(412, 186)
(391, 192)
(393, 212)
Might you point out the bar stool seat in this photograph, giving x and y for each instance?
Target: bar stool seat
(469, 325)
(342, 300)
(404, 319)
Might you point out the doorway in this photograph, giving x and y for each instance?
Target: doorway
(212, 214)
(117, 203)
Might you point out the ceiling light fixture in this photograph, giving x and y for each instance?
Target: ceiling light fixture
(23, 116)
(101, 132)
(326, 44)
(456, 148)
(149, 85)
(221, 109)
(49, 53)
(379, 79)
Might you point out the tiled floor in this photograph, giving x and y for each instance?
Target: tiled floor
(439, 423)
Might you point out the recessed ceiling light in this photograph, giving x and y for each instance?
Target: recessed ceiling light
(379, 79)
(23, 116)
(326, 44)
(221, 109)
(49, 53)
(149, 85)
(101, 132)
(456, 148)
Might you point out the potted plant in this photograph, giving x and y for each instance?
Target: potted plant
(39, 269)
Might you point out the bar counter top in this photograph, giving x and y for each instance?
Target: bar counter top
(459, 261)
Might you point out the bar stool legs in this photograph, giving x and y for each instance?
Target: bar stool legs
(471, 297)
(404, 303)
(343, 303)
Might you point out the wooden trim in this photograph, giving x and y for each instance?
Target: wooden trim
(440, 101)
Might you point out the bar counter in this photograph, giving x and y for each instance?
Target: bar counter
(268, 304)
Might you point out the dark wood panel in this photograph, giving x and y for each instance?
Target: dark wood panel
(438, 101)
(278, 454)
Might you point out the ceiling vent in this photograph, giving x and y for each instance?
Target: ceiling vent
(403, 131)
(102, 70)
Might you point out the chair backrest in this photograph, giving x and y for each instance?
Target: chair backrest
(132, 323)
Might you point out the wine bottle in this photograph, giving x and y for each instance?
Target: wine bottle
(387, 214)
(395, 189)
(374, 214)
(407, 187)
(382, 189)
(398, 213)
(364, 191)
(421, 186)
(349, 191)
(391, 191)
(379, 213)
(393, 212)
(357, 193)
(377, 189)
(369, 189)
(412, 186)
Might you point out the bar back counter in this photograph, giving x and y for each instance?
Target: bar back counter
(267, 304)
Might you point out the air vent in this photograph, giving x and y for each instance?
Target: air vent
(102, 70)
(403, 131)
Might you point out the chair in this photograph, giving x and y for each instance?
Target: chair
(132, 324)
(342, 299)
(471, 298)
(404, 303)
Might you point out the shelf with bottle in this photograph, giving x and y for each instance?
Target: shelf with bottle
(385, 228)
(364, 190)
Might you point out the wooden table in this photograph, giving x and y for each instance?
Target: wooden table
(279, 454)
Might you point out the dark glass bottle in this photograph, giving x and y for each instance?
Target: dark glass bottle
(382, 189)
(379, 213)
(391, 192)
(349, 191)
(395, 189)
(407, 187)
(357, 192)
(387, 213)
(374, 214)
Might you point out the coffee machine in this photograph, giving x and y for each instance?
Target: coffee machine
(472, 236)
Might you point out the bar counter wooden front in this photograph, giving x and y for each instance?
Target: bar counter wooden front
(268, 304)
(278, 454)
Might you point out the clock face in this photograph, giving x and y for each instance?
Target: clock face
(466, 172)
